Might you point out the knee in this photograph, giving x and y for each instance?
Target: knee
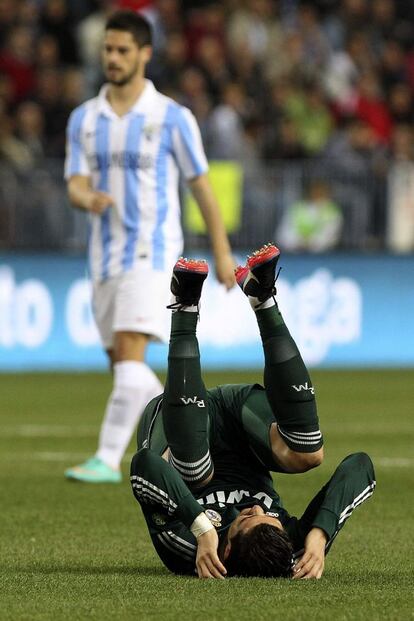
(363, 461)
(307, 461)
(141, 460)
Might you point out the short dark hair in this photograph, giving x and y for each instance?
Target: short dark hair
(132, 22)
(264, 551)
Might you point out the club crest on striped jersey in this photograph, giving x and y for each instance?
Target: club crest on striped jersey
(159, 519)
(214, 517)
(150, 131)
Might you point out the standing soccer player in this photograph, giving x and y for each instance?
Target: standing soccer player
(126, 149)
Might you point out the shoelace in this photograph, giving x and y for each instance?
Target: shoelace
(177, 306)
(273, 292)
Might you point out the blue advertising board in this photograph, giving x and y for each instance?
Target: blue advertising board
(343, 310)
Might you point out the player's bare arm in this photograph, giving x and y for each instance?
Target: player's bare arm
(83, 196)
(207, 202)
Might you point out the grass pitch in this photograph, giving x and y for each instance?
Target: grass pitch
(73, 551)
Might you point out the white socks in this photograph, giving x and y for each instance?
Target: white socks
(134, 386)
(187, 309)
(256, 305)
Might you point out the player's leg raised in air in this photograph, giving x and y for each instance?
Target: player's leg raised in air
(296, 441)
(184, 409)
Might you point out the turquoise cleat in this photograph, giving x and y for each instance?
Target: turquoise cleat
(93, 470)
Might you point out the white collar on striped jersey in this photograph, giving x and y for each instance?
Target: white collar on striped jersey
(143, 104)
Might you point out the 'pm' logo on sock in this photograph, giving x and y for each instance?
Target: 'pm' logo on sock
(199, 402)
(304, 387)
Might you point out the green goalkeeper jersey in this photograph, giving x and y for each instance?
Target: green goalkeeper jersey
(240, 451)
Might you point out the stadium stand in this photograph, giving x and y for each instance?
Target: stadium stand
(293, 92)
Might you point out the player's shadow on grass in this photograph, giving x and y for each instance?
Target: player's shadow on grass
(84, 570)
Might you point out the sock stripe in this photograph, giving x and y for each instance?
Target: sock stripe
(189, 465)
(192, 474)
(302, 439)
(303, 434)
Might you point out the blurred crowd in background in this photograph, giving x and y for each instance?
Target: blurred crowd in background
(314, 99)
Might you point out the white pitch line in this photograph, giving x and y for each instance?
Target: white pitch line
(392, 462)
(27, 430)
(60, 456)
(48, 431)
(50, 456)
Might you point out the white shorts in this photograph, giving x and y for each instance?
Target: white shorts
(133, 302)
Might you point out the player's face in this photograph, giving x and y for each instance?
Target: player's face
(123, 60)
(249, 518)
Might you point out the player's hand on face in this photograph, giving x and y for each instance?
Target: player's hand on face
(99, 202)
(312, 563)
(225, 266)
(207, 562)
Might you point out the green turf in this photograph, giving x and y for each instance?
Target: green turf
(70, 551)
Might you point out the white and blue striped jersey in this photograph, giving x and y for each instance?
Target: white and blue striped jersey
(136, 159)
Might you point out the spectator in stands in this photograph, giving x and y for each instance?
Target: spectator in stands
(225, 124)
(361, 53)
(193, 94)
(49, 95)
(7, 91)
(211, 59)
(382, 23)
(13, 151)
(400, 225)
(47, 52)
(89, 35)
(371, 107)
(73, 88)
(345, 17)
(282, 142)
(207, 22)
(27, 14)
(354, 159)
(291, 59)
(255, 26)
(172, 63)
(312, 224)
(400, 103)
(8, 18)
(311, 116)
(393, 67)
(55, 20)
(16, 61)
(315, 44)
(29, 129)
(245, 69)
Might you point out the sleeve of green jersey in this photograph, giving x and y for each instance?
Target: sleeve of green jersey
(351, 484)
(159, 488)
(169, 509)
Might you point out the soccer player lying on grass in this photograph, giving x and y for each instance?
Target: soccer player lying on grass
(202, 471)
